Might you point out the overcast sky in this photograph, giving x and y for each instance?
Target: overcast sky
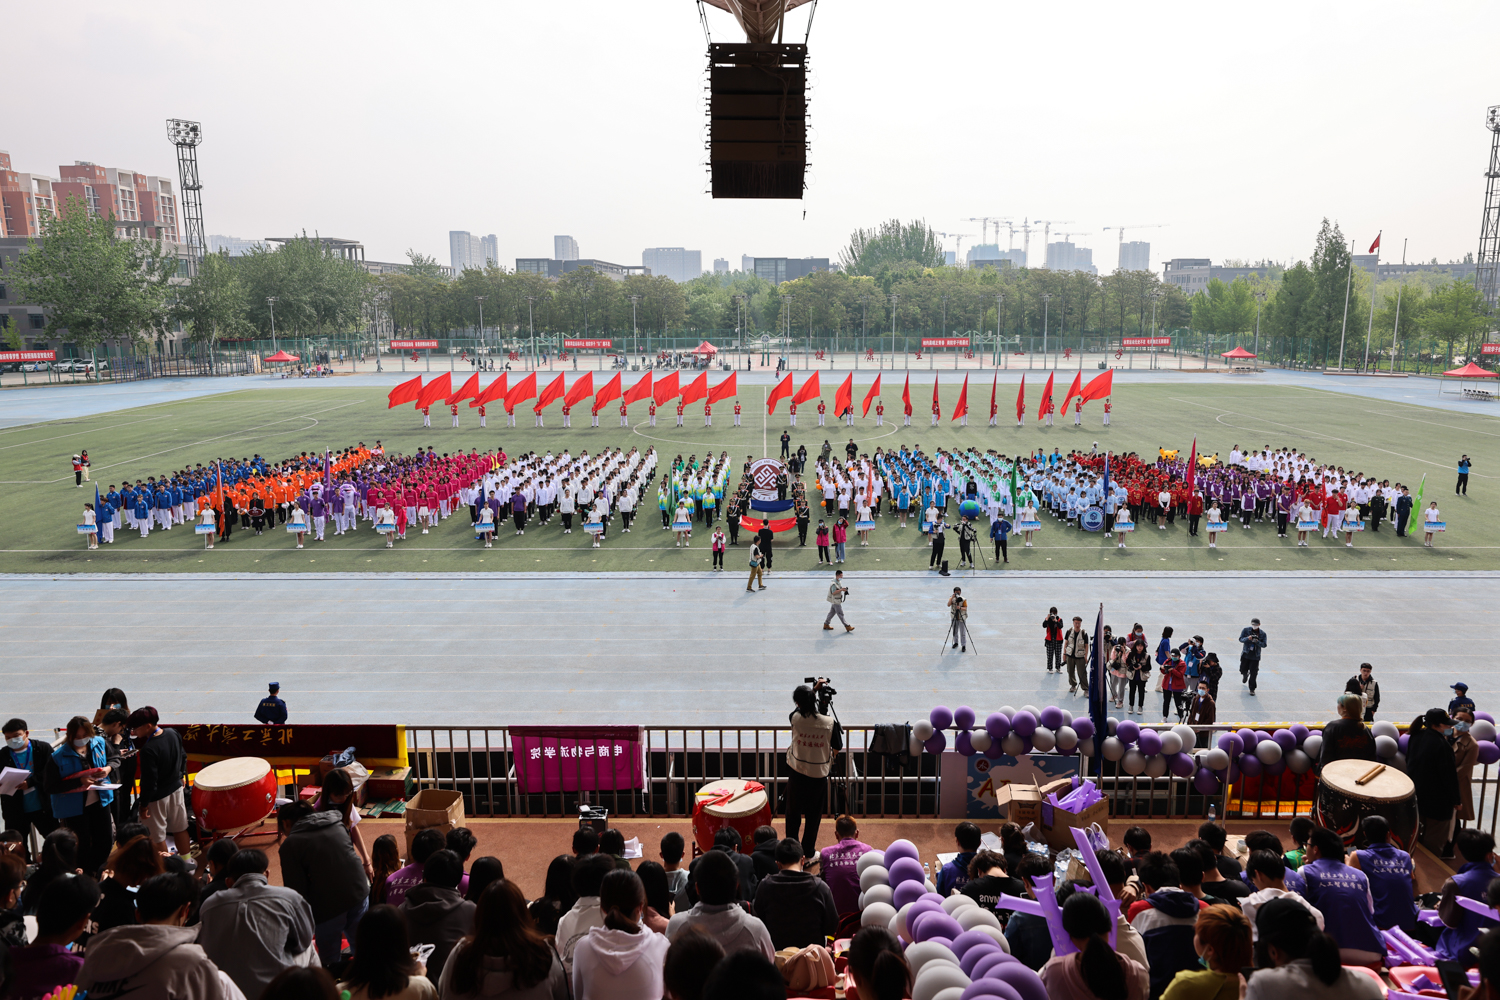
(1237, 127)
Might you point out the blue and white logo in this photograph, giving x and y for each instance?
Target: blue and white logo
(1092, 519)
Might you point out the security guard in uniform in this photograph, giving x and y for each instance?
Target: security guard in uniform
(272, 710)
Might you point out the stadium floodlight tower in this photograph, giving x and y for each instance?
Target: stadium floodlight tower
(1487, 274)
(185, 136)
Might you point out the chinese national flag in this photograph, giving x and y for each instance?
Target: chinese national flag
(1021, 401)
(581, 390)
(1376, 245)
(696, 390)
(1072, 391)
(809, 390)
(962, 409)
(843, 399)
(520, 392)
(1041, 410)
(906, 394)
(994, 385)
(665, 389)
(554, 391)
(871, 396)
(495, 390)
(725, 389)
(406, 392)
(439, 388)
(610, 391)
(1099, 386)
(469, 390)
(641, 390)
(782, 391)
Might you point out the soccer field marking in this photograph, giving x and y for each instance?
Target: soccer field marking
(169, 553)
(30, 425)
(1433, 423)
(27, 444)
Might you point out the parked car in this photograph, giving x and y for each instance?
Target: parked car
(34, 366)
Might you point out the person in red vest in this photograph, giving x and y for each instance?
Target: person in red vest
(937, 413)
(567, 418)
(426, 416)
(822, 409)
(792, 412)
(1078, 412)
(594, 412)
(736, 414)
(879, 414)
(708, 415)
(624, 411)
(481, 414)
(453, 408)
(1106, 411)
(680, 408)
(652, 412)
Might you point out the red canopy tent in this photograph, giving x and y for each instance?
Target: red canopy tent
(1470, 370)
(705, 348)
(1238, 352)
(283, 356)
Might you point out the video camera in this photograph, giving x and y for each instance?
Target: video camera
(823, 690)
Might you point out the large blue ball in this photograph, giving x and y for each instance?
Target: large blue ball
(969, 508)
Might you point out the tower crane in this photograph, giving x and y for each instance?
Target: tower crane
(984, 222)
(1047, 225)
(958, 245)
(1121, 231)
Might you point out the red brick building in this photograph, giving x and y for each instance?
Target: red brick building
(142, 205)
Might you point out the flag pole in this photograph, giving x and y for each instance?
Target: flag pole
(1348, 284)
(1374, 282)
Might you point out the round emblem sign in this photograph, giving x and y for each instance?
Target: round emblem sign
(763, 475)
(1092, 519)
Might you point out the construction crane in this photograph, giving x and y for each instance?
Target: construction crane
(958, 239)
(1047, 225)
(984, 222)
(1121, 231)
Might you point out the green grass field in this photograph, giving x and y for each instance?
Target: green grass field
(39, 506)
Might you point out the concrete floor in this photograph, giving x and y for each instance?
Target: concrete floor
(690, 649)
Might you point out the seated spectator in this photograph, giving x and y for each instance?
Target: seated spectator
(1216, 837)
(313, 983)
(1190, 870)
(1343, 894)
(1029, 938)
(1296, 959)
(12, 924)
(253, 930)
(954, 875)
(764, 853)
(434, 911)
(690, 961)
(461, 841)
(585, 841)
(717, 879)
(484, 871)
(1393, 876)
(63, 914)
(1012, 845)
(1488, 947)
(796, 906)
(385, 861)
(672, 849)
(319, 861)
(878, 966)
(658, 900)
(1165, 919)
(1461, 927)
(1263, 840)
(158, 957)
(726, 841)
(557, 897)
(620, 960)
(1128, 941)
(1269, 871)
(215, 861)
(1095, 971)
(1222, 940)
(745, 975)
(989, 880)
(1300, 828)
(1231, 890)
(588, 876)
(131, 864)
(1137, 844)
(59, 857)
(504, 955)
(837, 864)
(426, 843)
(612, 844)
(382, 965)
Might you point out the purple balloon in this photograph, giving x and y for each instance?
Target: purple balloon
(987, 964)
(1489, 752)
(937, 744)
(1149, 741)
(1084, 727)
(917, 909)
(905, 870)
(1232, 772)
(991, 989)
(1300, 732)
(997, 725)
(901, 849)
(941, 717)
(1065, 753)
(907, 892)
(1248, 739)
(1487, 717)
(935, 897)
(1024, 723)
(1276, 767)
(977, 953)
(1127, 732)
(996, 751)
(1026, 745)
(1051, 717)
(970, 939)
(1250, 765)
(1182, 765)
(1403, 741)
(1231, 744)
(1206, 782)
(1286, 738)
(934, 925)
(964, 743)
(1021, 979)
(963, 717)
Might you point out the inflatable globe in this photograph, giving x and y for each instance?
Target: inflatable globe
(969, 508)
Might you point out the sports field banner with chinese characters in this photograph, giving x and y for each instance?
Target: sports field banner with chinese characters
(578, 758)
(289, 746)
(402, 345)
(945, 341)
(28, 356)
(587, 344)
(1146, 342)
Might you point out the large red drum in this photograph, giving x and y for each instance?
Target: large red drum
(233, 794)
(1341, 802)
(734, 802)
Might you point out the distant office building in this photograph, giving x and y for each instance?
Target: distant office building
(1135, 256)
(779, 269)
(1190, 274)
(950, 257)
(564, 248)
(721, 266)
(1064, 256)
(235, 246)
(472, 252)
(673, 262)
(990, 255)
(557, 268)
(747, 264)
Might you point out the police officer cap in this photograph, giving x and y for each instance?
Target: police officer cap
(275, 685)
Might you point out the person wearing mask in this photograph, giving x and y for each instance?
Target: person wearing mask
(1342, 893)
(1202, 710)
(716, 912)
(796, 906)
(76, 766)
(1347, 737)
(1433, 768)
(1252, 641)
(1367, 687)
(1465, 756)
(955, 874)
(63, 914)
(1298, 960)
(435, 912)
(1462, 926)
(383, 965)
(318, 860)
(253, 930)
(816, 740)
(1165, 919)
(1095, 971)
(585, 914)
(878, 966)
(1173, 686)
(838, 864)
(1000, 529)
(620, 960)
(1392, 875)
(162, 764)
(1460, 702)
(504, 955)
(28, 807)
(1075, 652)
(1137, 673)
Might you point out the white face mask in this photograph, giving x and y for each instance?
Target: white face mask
(16, 743)
(80, 744)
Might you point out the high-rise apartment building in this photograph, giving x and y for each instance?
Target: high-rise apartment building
(25, 200)
(564, 248)
(673, 262)
(779, 269)
(472, 252)
(1135, 256)
(747, 263)
(142, 205)
(1064, 256)
(721, 266)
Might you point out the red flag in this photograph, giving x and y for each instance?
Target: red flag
(809, 390)
(1376, 245)
(934, 389)
(495, 390)
(906, 394)
(1099, 386)
(439, 388)
(469, 390)
(843, 399)
(641, 390)
(610, 391)
(520, 392)
(406, 392)
(993, 386)
(872, 395)
(725, 389)
(1021, 401)
(695, 390)
(1041, 410)
(554, 391)
(665, 389)
(1192, 465)
(1072, 391)
(962, 408)
(581, 390)
(782, 391)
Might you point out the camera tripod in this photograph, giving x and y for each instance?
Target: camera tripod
(953, 632)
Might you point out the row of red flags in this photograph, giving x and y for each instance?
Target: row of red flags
(843, 399)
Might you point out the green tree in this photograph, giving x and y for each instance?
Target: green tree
(891, 244)
(1454, 316)
(10, 334)
(1331, 265)
(212, 305)
(1289, 315)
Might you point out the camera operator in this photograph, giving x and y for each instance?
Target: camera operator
(837, 594)
(816, 740)
(959, 609)
(966, 538)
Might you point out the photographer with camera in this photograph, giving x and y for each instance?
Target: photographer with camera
(958, 609)
(837, 594)
(817, 738)
(967, 536)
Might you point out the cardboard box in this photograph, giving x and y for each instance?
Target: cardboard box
(1058, 832)
(388, 783)
(433, 807)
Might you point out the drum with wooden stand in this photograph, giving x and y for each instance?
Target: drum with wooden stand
(233, 794)
(734, 802)
(1350, 790)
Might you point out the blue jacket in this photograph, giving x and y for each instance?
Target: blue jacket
(999, 528)
(62, 768)
(1463, 926)
(271, 710)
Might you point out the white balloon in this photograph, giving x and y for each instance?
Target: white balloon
(1113, 749)
(953, 904)
(1216, 759)
(980, 740)
(971, 917)
(1386, 747)
(951, 993)
(876, 915)
(1385, 728)
(1067, 717)
(1298, 762)
(1086, 747)
(874, 875)
(1013, 744)
(1483, 730)
(1399, 761)
(1067, 739)
(1043, 739)
(1134, 762)
(922, 730)
(1313, 745)
(923, 952)
(867, 859)
(1007, 711)
(936, 977)
(1269, 751)
(1112, 724)
(997, 934)
(878, 894)
(1156, 766)
(1032, 709)
(915, 746)
(930, 886)
(1185, 732)
(897, 927)
(1171, 742)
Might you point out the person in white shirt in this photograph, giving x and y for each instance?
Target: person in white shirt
(1268, 872)
(1214, 517)
(1163, 505)
(1430, 516)
(1028, 515)
(620, 959)
(1306, 960)
(574, 926)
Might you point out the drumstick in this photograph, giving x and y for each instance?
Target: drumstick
(1370, 775)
